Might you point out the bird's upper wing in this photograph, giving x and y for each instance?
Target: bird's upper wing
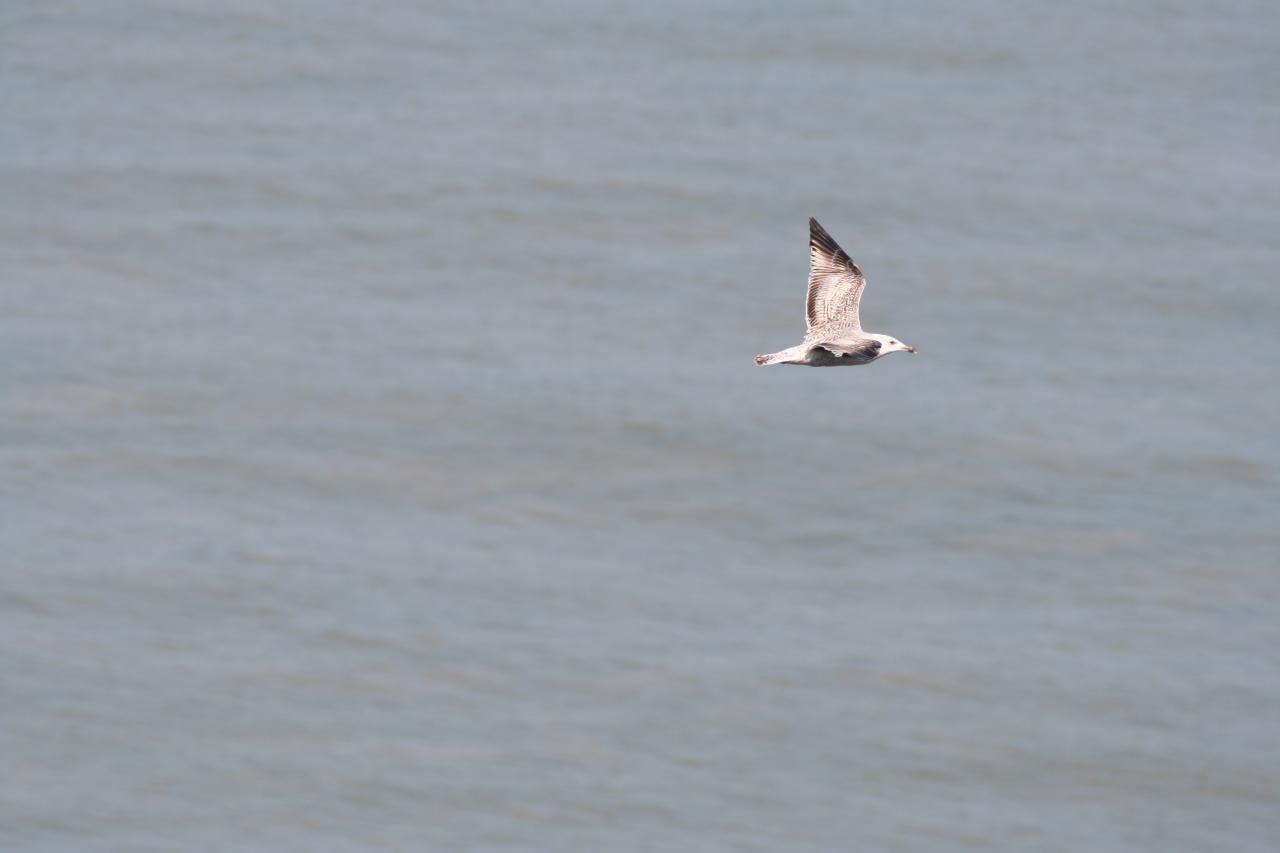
(835, 285)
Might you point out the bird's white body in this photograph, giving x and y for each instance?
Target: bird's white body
(820, 356)
(834, 337)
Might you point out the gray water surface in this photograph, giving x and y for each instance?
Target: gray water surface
(386, 467)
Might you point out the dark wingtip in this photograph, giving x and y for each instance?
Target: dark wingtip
(822, 241)
(819, 236)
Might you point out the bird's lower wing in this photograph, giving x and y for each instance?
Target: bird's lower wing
(857, 351)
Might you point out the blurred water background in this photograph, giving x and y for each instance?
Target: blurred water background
(385, 466)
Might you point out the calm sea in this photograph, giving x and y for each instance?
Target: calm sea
(385, 467)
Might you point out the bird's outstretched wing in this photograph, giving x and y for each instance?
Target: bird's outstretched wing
(835, 285)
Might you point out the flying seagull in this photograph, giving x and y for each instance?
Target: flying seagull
(834, 337)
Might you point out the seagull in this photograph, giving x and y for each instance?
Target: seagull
(834, 337)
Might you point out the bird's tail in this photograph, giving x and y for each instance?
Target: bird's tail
(790, 355)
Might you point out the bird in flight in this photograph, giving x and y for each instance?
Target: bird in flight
(834, 336)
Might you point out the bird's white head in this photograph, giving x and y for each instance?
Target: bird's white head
(889, 344)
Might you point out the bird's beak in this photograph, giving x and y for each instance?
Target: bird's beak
(910, 349)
